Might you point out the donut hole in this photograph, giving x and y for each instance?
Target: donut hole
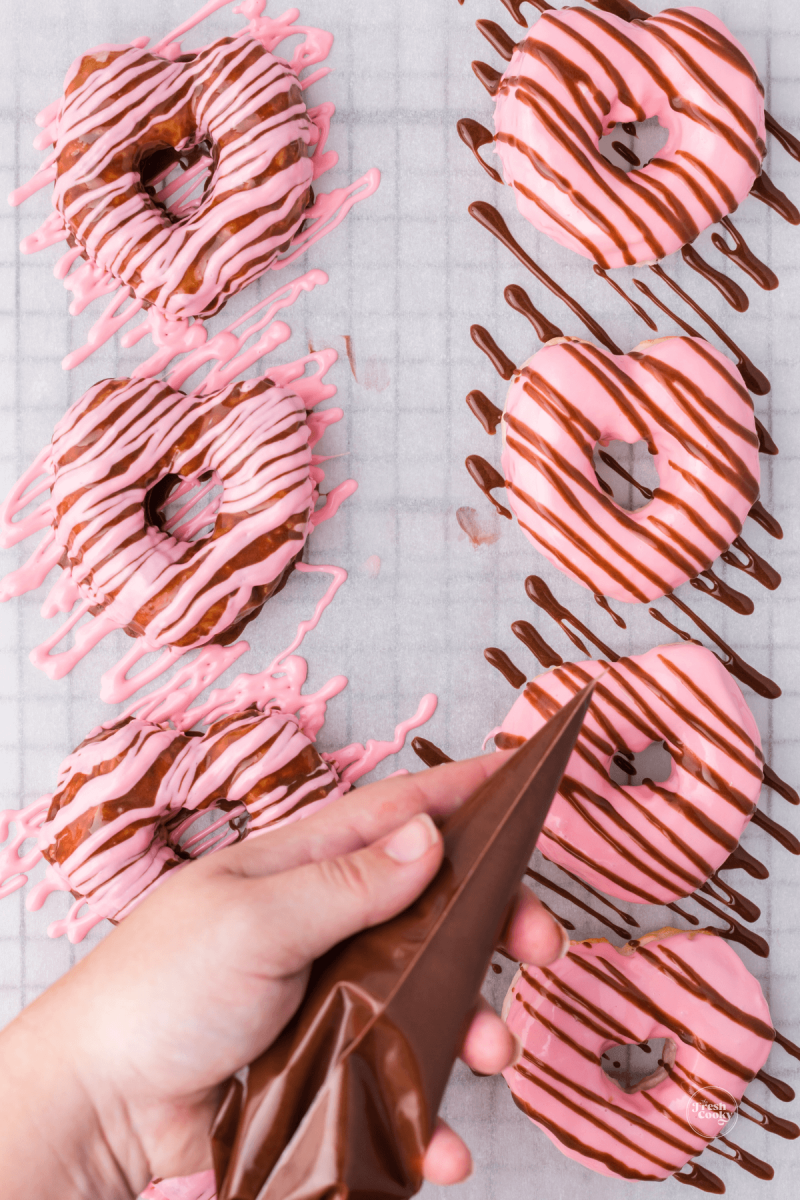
(184, 508)
(633, 144)
(654, 763)
(637, 1068)
(176, 181)
(626, 472)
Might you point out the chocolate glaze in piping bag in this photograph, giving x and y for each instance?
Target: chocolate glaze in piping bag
(344, 1102)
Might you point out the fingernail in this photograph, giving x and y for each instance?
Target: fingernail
(565, 942)
(413, 840)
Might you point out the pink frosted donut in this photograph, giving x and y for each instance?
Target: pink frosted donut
(117, 452)
(688, 987)
(685, 400)
(124, 812)
(127, 112)
(648, 843)
(575, 76)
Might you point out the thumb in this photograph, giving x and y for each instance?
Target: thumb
(321, 903)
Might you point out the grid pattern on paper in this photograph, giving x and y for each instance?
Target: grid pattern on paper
(409, 272)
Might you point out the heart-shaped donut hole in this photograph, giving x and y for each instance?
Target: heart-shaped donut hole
(184, 180)
(690, 990)
(654, 763)
(648, 842)
(184, 508)
(631, 145)
(638, 1067)
(626, 472)
(680, 396)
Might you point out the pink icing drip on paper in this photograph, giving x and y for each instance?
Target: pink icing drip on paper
(355, 760)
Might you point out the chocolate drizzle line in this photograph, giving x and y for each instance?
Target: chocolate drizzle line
(743, 256)
(539, 648)
(543, 881)
(765, 519)
(780, 1090)
(744, 1159)
(637, 308)
(615, 466)
(765, 442)
(693, 920)
(729, 289)
(602, 602)
(487, 413)
(488, 76)
(518, 299)
(626, 153)
(497, 38)
(431, 755)
(489, 217)
(741, 905)
(765, 190)
(732, 661)
(769, 1122)
(474, 136)
(700, 1177)
(773, 781)
(777, 831)
(626, 916)
(789, 142)
(499, 659)
(741, 860)
(710, 584)
(788, 1046)
(734, 931)
(484, 341)
(487, 479)
(538, 591)
(754, 379)
(754, 565)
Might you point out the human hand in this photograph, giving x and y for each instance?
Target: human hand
(139, 1039)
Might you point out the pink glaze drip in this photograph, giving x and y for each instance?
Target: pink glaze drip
(690, 988)
(155, 276)
(576, 75)
(685, 400)
(356, 760)
(648, 843)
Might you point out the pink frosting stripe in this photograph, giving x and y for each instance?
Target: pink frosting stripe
(688, 987)
(649, 843)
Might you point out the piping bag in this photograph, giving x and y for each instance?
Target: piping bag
(342, 1105)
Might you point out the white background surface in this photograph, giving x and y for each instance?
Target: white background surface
(409, 272)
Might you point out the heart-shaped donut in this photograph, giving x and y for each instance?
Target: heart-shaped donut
(575, 76)
(690, 988)
(126, 111)
(652, 842)
(116, 454)
(685, 400)
(124, 812)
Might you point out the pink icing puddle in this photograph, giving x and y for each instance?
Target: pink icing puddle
(279, 687)
(230, 354)
(88, 282)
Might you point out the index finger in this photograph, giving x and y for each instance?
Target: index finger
(360, 818)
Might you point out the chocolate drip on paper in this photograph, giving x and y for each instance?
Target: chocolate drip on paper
(693, 920)
(789, 142)
(742, 860)
(777, 831)
(538, 591)
(488, 216)
(500, 661)
(602, 602)
(488, 76)
(474, 136)
(732, 661)
(788, 1046)
(765, 442)
(780, 1090)
(755, 380)
(487, 478)
(741, 905)
(508, 741)
(611, 462)
(497, 38)
(710, 584)
(753, 565)
(637, 308)
(543, 881)
(500, 361)
(774, 781)
(587, 887)
(735, 931)
(539, 648)
(700, 1177)
(765, 519)
(743, 256)
(431, 755)
(487, 413)
(744, 1159)
(765, 190)
(626, 153)
(518, 299)
(729, 289)
(769, 1121)
(344, 1101)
